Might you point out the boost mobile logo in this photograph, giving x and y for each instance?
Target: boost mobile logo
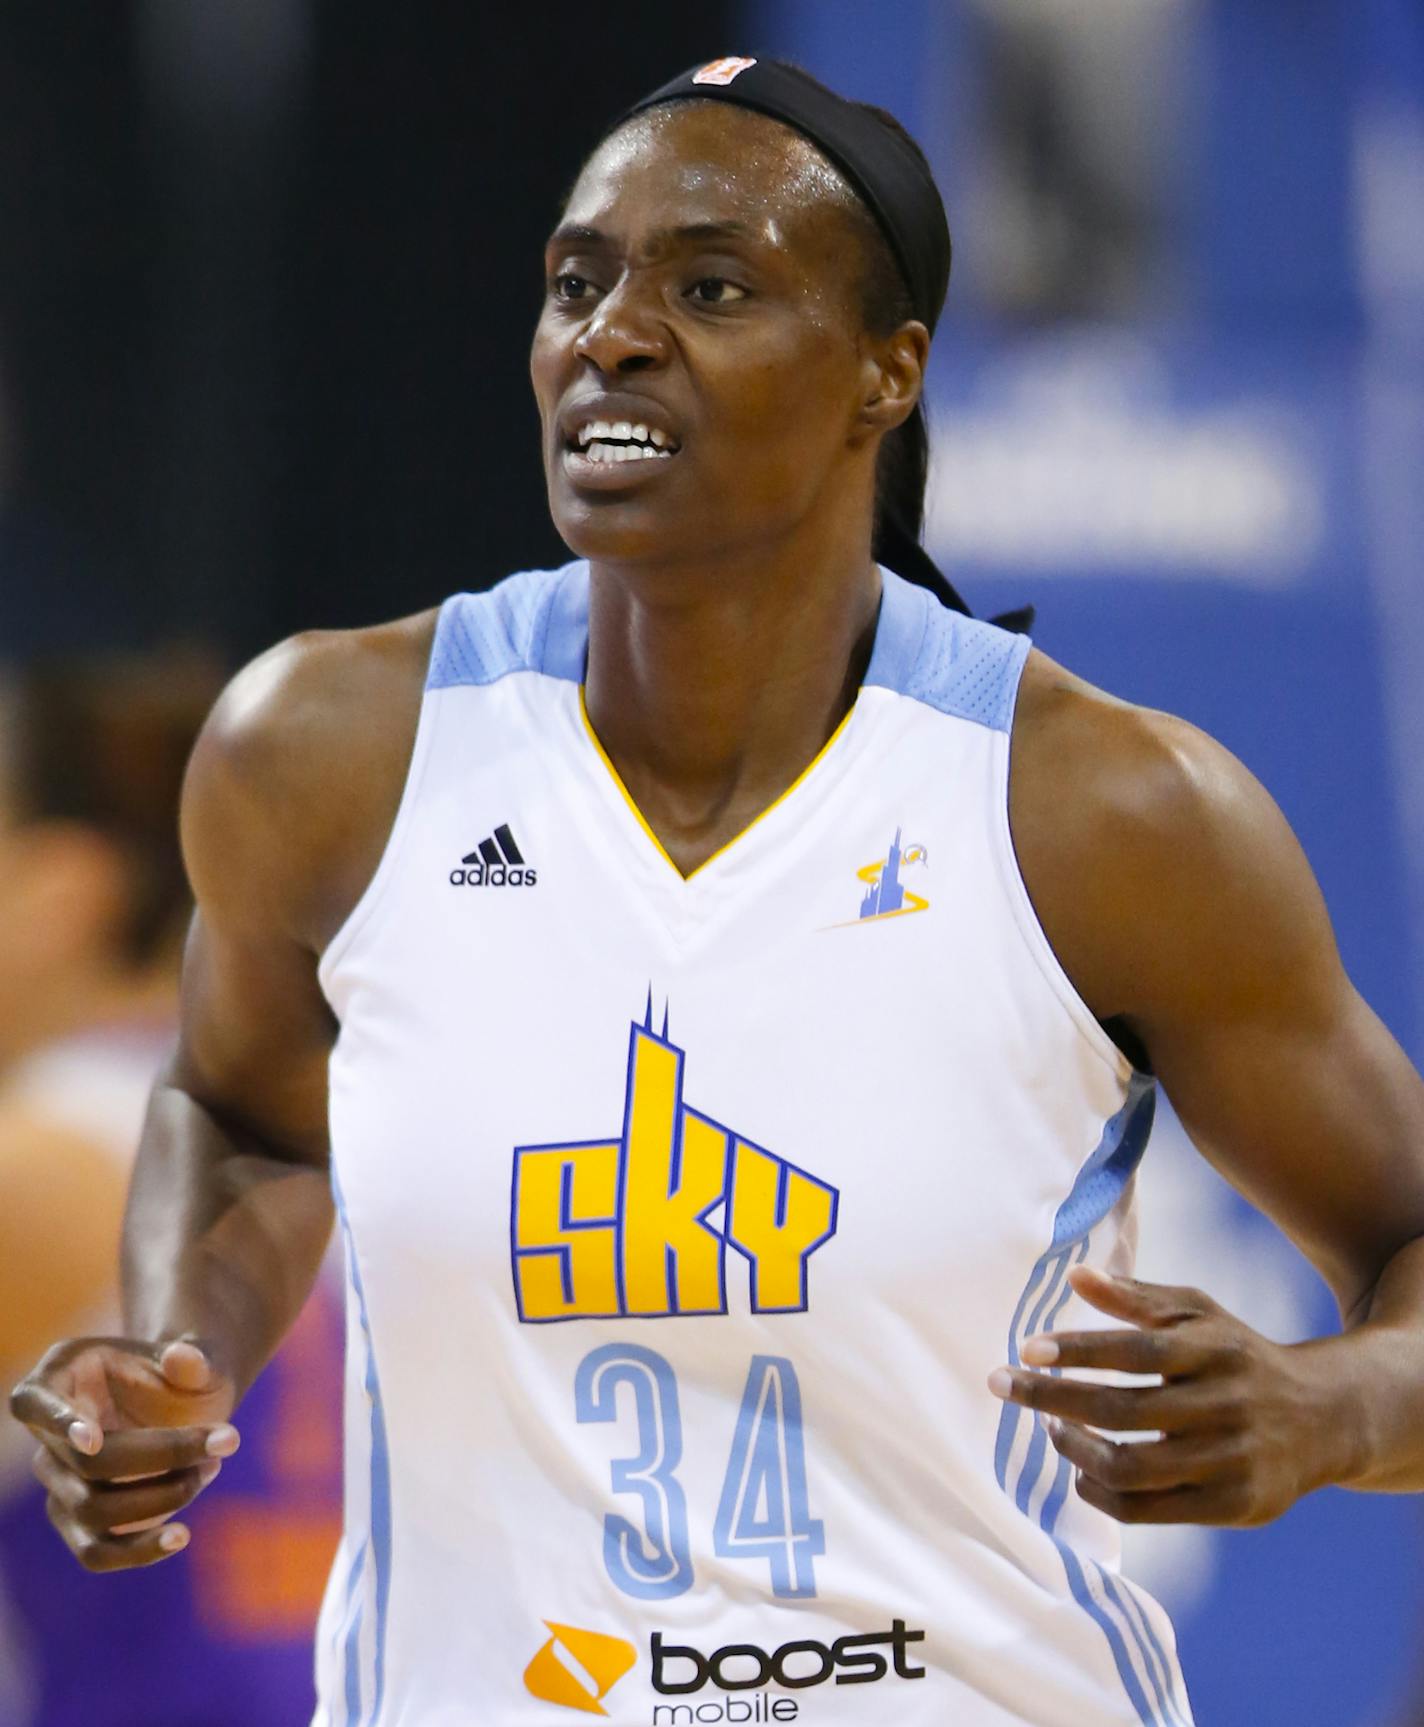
(603, 1660)
(853, 1661)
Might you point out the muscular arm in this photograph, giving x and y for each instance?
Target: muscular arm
(289, 799)
(1180, 903)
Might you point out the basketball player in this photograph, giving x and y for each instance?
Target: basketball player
(93, 908)
(732, 1067)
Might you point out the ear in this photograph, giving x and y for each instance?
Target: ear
(893, 377)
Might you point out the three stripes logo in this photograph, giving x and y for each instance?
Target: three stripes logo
(577, 1669)
(495, 862)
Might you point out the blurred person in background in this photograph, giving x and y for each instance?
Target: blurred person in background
(93, 906)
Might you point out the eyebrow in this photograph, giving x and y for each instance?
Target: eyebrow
(576, 234)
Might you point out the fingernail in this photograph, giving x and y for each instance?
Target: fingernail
(223, 1441)
(209, 1472)
(86, 1436)
(1001, 1382)
(174, 1538)
(185, 1365)
(1039, 1352)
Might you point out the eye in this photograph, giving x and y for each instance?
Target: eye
(716, 291)
(570, 287)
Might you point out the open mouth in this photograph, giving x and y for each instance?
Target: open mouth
(610, 441)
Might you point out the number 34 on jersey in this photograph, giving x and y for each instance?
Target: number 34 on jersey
(623, 1227)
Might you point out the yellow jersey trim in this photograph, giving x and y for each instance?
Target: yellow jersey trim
(737, 837)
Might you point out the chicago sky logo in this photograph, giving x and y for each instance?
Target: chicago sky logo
(598, 1663)
(885, 894)
(622, 1226)
(495, 862)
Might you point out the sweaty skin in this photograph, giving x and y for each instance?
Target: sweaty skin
(732, 606)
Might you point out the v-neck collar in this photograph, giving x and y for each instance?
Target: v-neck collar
(899, 631)
(735, 842)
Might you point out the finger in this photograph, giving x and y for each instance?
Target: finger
(99, 1553)
(51, 1416)
(133, 1453)
(1175, 1505)
(97, 1508)
(1147, 1304)
(1125, 1408)
(1151, 1465)
(185, 1366)
(1173, 1353)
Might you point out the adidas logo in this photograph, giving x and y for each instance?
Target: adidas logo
(495, 862)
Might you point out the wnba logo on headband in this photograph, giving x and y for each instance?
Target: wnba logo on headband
(722, 71)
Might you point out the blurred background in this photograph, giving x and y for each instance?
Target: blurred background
(268, 270)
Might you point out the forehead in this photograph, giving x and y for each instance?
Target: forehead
(689, 162)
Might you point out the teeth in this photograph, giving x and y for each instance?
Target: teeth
(599, 451)
(649, 439)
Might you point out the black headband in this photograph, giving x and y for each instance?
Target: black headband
(883, 167)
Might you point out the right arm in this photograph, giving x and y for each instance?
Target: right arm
(290, 797)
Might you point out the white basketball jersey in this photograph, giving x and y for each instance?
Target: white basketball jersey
(686, 1217)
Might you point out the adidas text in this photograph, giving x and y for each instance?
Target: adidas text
(493, 875)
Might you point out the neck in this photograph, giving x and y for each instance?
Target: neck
(712, 685)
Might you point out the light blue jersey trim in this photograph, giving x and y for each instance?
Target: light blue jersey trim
(534, 622)
(538, 622)
(1106, 1598)
(376, 1552)
(953, 664)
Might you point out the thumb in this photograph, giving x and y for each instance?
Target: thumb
(185, 1366)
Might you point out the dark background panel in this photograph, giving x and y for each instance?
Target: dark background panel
(268, 274)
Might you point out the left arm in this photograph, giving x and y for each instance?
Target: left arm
(1179, 901)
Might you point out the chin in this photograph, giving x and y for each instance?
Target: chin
(619, 530)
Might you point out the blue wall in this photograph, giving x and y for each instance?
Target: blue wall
(1216, 506)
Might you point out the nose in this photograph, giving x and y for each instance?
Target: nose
(624, 334)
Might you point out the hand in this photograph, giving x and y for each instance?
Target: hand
(130, 1433)
(1246, 1426)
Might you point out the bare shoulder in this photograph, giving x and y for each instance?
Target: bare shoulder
(295, 780)
(1148, 849)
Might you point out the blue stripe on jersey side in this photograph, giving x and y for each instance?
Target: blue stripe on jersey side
(1008, 1421)
(1098, 1187)
(1048, 1517)
(1038, 1438)
(1083, 1595)
(1160, 1670)
(380, 1517)
(958, 666)
(352, 1620)
(1096, 1190)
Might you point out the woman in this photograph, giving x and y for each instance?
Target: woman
(677, 902)
(93, 909)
